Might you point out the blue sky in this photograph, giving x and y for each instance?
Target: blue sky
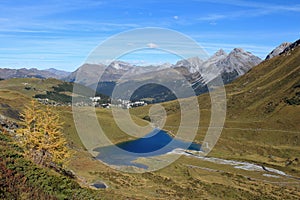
(61, 34)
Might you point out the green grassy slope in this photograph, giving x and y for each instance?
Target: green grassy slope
(264, 91)
(259, 103)
(254, 131)
(19, 177)
(22, 179)
(262, 119)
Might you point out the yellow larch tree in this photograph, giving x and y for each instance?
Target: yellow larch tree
(41, 136)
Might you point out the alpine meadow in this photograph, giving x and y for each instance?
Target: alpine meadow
(149, 100)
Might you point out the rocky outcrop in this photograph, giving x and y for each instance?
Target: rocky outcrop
(278, 50)
(7, 125)
(291, 47)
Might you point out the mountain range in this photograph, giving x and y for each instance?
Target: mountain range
(153, 79)
(6, 73)
(261, 128)
(238, 61)
(262, 110)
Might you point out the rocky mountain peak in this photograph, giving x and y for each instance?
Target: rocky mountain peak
(120, 65)
(231, 65)
(238, 50)
(193, 64)
(291, 47)
(239, 61)
(278, 50)
(196, 61)
(220, 52)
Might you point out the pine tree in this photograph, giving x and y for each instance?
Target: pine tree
(41, 136)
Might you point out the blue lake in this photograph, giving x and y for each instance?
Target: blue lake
(157, 142)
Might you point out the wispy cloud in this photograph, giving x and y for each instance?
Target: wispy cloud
(245, 35)
(261, 5)
(62, 25)
(64, 32)
(49, 16)
(212, 17)
(63, 53)
(247, 9)
(45, 8)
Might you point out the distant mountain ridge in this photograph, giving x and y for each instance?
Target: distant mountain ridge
(196, 71)
(59, 73)
(230, 66)
(236, 63)
(6, 73)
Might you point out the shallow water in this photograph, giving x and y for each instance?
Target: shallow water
(99, 185)
(157, 142)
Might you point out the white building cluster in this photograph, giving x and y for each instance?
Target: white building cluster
(96, 102)
(127, 104)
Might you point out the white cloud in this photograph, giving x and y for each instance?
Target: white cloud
(212, 17)
(176, 17)
(152, 45)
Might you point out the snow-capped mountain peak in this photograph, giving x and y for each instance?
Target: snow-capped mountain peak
(120, 65)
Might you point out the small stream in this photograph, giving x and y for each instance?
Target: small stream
(236, 164)
(159, 142)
